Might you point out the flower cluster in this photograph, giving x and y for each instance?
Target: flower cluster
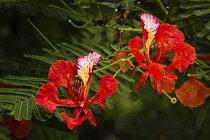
(159, 42)
(76, 77)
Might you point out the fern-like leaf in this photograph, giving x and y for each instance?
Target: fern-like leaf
(47, 60)
(38, 111)
(202, 12)
(22, 110)
(61, 55)
(24, 78)
(202, 114)
(19, 83)
(195, 5)
(19, 91)
(203, 33)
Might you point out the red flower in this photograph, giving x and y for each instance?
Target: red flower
(159, 42)
(76, 77)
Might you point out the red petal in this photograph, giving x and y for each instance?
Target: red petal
(86, 64)
(19, 129)
(47, 97)
(205, 57)
(192, 93)
(141, 81)
(73, 122)
(107, 87)
(61, 72)
(159, 72)
(167, 85)
(134, 47)
(115, 58)
(91, 117)
(183, 57)
(150, 26)
(156, 71)
(168, 36)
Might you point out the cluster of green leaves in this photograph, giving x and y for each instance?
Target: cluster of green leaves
(19, 102)
(198, 9)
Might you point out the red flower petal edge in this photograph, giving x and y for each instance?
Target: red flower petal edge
(61, 72)
(47, 97)
(134, 46)
(76, 120)
(107, 87)
(183, 57)
(141, 81)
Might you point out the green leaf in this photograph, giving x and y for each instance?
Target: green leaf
(202, 12)
(38, 111)
(22, 110)
(46, 133)
(4, 137)
(25, 78)
(47, 60)
(202, 114)
(203, 33)
(194, 5)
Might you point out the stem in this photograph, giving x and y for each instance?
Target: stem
(64, 9)
(162, 7)
(200, 62)
(67, 6)
(80, 8)
(120, 69)
(197, 63)
(99, 11)
(111, 17)
(42, 35)
(134, 66)
(114, 52)
(126, 29)
(192, 75)
(82, 26)
(173, 100)
(121, 60)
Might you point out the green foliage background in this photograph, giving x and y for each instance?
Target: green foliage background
(26, 58)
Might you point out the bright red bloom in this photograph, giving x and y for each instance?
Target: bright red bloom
(19, 129)
(76, 77)
(159, 42)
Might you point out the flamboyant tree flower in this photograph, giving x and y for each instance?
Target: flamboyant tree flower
(159, 42)
(76, 77)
